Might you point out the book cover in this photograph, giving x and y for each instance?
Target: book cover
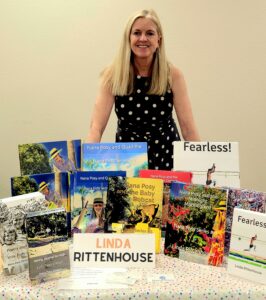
(129, 157)
(47, 157)
(89, 193)
(247, 256)
(196, 223)
(13, 242)
(54, 186)
(48, 247)
(167, 177)
(244, 199)
(212, 163)
(134, 205)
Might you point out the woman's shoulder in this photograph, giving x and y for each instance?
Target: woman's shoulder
(175, 73)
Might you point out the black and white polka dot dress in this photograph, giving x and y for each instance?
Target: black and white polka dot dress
(148, 118)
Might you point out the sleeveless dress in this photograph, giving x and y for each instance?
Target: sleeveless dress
(148, 118)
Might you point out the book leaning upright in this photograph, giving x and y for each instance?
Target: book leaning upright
(247, 255)
(212, 163)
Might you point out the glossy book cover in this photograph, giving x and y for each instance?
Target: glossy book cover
(196, 223)
(129, 157)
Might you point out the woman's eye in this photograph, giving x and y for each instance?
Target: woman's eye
(136, 33)
(150, 33)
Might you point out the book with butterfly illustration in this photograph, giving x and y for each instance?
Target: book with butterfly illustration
(247, 255)
(196, 223)
(48, 245)
(13, 242)
(89, 193)
(134, 205)
(130, 157)
(212, 163)
(48, 157)
(167, 177)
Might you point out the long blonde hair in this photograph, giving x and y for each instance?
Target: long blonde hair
(119, 76)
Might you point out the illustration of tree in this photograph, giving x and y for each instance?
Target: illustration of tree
(118, 203)
(34, 159)
(83, 191)
(23, 185)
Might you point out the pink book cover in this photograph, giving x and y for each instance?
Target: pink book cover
(167, 177)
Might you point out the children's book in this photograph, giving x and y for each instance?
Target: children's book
(89, 193)
(167, 177)
(48, 249)
(54, 186)
(129, 157)
(13, 242)
(212, 163)
(244, 199)
(247, 256)
(134, 205)
(47, 157)
(196, 223)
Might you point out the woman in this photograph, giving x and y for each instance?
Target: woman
(144, 87)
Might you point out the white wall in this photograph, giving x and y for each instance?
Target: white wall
(52, 52)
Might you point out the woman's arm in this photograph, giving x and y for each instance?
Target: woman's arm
(101, 113)
(183, 107)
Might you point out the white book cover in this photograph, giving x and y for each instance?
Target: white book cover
(212, 163)
(13, 242)
(247, 255)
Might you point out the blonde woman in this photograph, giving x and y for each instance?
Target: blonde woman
(144, 87)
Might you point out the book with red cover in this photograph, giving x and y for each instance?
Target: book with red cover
(167, 177)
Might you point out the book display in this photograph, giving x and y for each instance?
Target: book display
(247, 256)
(68, 229)
(196, 223)
(13, 244)
(89, 199)
(212, 163)
(129, 157)
(48, 245)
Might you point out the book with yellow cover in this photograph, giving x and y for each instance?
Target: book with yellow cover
(136, 203)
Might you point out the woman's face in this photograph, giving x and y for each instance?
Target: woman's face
(9, 237)
(144, 38)
(98, 207)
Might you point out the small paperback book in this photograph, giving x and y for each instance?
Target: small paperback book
(89, 190)
(247, 256)
(134, 205)
(13, 241)
(196, 223)
(48, 245)
(167, 177)
(48, 157)
(129, 157)
(212, 163)
(244, 199)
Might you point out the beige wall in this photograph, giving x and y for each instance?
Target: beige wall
(52, 51)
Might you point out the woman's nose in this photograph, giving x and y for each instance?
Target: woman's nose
(143, 37)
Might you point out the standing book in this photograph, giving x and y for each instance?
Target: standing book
(247, 256)
(212, 163)
(13, 242)
(129, 157)
(48, 245)
(134, 205)
(196, 223)
(47, 157)
(89, 193)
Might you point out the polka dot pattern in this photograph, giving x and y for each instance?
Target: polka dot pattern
(148, 118)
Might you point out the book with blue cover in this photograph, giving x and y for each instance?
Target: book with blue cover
(196, 223)
(47, 157)
(130, 157)
(247, 255)
(89, 194)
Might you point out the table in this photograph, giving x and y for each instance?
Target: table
(192, 281)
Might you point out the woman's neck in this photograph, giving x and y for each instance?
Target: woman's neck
(143, 67)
